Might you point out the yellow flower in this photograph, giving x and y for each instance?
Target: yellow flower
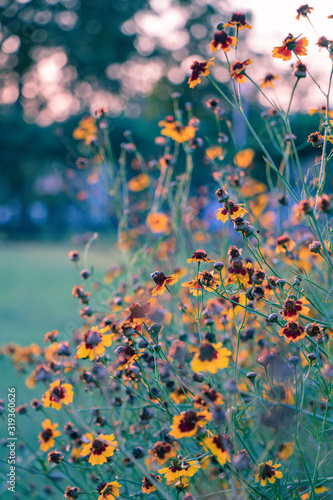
(185, 469)
(244, 158)
(187, 423)
(218, 446)
(99, 449)
(58, 394)
(138, 183)
(94, 343)
(198, 69)
(268, 472)
(214, 152)
(210, 357)
(206, 281)
(285, 450)
(176, 131)
(86, 130)
(229, 211)
(108, 491)
(46, 437)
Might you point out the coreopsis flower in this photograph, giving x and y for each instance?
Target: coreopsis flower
(108, 491)
(161, 281)
(199, 256)
(279, 392)
(206, 281)
(238, 274)
(57, 395)
(199, 69)
(98, 449)
(230, 210)
(300, 69)
(55, 457)
(221, 40)
(238, 19)
(305, 207)
(303, 11)
(322, 111)
(238, 69)
(289, 45)
(126, 356)
(72, 492)
(176, 131)
(316, 139)
(293, 308)
(158, 222)
(284, 244)
(94, 343)
(325, 203)
(218, 446)
(285, 450)
(161, 452)
(86, 130)
(292, 332)
(210, 357)
(46, 437)
(139, 313)
(267, 472)
(214, 152)
(268, 80)
(187, 423)
(147, 485)
(180, 469)
(138, 183)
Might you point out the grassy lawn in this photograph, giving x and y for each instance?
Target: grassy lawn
(35, 297)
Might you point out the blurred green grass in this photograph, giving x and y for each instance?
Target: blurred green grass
(36, 281)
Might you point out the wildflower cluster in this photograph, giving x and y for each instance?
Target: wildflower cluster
(207, 368)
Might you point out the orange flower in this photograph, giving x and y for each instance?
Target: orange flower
(284, 244)
(94, 343)
(187, 423)
(206, 281)
(210, 357)
(303, 10)
(199, 256)
(138, 183)
(268, 80)
(292, 308)
(58, 394)
(198, 69)
(161, 281)
(238, 19)
(238, 69)
(147, 485)
(46, 437)
(86, 130)
(238, 274)
(98, 449)
(157, 222)
(291, 44)
(221, 40)
(229, 211)
(176, 131)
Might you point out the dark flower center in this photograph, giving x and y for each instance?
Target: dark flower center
(57, 393)
(158, 277)
(238, 17)
(46, 435)
(188, 422)
(267, 472)
(207, 352)
(220, 37)
(289, 305)
(161, 450)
